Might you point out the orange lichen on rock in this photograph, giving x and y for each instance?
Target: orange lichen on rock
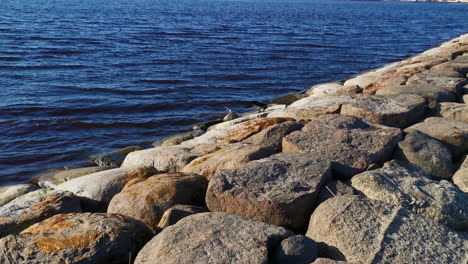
(251, 127)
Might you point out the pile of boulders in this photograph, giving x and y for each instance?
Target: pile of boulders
(372, 170)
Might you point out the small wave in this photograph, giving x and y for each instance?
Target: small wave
(62, 52)
(43, 67)
(162, 81)
(10, 59)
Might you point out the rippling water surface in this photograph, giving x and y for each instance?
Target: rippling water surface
(82, 77)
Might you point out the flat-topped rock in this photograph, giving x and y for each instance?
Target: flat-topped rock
(228, 157)
(177, 212)
(356, 229)
(460, 178)
(9, 193)
(77, 238)
(455, 111)
(453, 132)
(432, 93)
(432, 155)
(279, 190)
(54, 178)
(22, 212)
(146, 199)
(350, 141)
(213, 238)
(97, 189)
(389, 110)
(406, 185)
(163, 159)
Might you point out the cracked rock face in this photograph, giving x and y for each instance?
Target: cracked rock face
(356, 229)
(213, 238)
(351, 142)
(406, 185)
(388, 110)
(35, 207)
(146, 199)
(279, 190)
(76, 238)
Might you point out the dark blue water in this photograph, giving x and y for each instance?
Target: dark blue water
(82, 77)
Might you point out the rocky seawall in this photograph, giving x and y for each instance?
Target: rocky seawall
(372, 170)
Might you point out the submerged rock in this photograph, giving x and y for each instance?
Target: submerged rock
(213, 238)
(146, 199)
(350, 141)
(356, 229)
(406, 185)
(388, 110)
(77, 238)
(279, 190)
(35, 207)
(9, 193)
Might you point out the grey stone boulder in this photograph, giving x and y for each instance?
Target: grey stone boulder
(163, 159)
(332, 261)
(228, 157)
(297, 249)
(351, 142)
(452, 132)
(39, 205)
(176, 140)
(455, 111)
(9, 193)
(273, 136)
(406, 185)
(433, 94)
(113, 158)
(172, 215)
(213, 238)
(357, 229)
(460, 178)
(287, 99)
(393, 110)
(279, 190)
(53, 178)
(334, 188)
(432, 155)
(77, 238)
(146, 199)
(324, 89)
(96, 190)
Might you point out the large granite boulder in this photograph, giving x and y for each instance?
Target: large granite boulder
(9, 193)
(53, 178)
(389, 110)
(213, 238)
(228, 157)
(22, 212)
(460, 178)
(97, 189)
(324, 89)
(433, 94)
(452, 132)
(77, 238)
(295, 250)
(406, 185)
(177, 212)
(350, 141)
(279, 190)
(356, 229)
(455, 111)
(432, 155)
(146, 199)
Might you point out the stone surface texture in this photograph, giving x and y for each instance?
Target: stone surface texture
(350, 141)
(356, 229)
(296, 249)
(213, 238)
(172, 215)
(279, 190)
(54, 178)
(77, 238)
(9, 193)
(146, 199)
(460, 178)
